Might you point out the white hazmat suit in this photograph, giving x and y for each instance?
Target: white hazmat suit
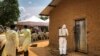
(63, 33)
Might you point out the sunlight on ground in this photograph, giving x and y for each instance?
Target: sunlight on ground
(40, 44)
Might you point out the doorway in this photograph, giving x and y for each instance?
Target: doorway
(80, 36)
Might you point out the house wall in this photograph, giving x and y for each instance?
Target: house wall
(66, 12)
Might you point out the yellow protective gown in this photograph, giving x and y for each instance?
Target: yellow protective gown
(27, 39)
(12, 42)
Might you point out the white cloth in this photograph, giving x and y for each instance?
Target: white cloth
(63, 33)
(62, 45)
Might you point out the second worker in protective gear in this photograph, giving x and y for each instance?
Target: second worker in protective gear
(63, 33)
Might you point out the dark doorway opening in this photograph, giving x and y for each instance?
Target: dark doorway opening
(80, 36)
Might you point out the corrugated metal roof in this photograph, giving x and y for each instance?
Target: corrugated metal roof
(50, 7)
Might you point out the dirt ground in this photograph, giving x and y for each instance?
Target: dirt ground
(42, 50)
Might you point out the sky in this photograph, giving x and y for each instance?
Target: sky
(29, 8)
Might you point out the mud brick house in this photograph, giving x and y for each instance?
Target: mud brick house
(82, 18)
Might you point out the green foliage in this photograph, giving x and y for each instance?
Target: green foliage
(44, 17)
(9, 12)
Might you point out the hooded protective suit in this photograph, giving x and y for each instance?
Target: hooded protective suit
(27, 39)
(12, 42)
(63, 33)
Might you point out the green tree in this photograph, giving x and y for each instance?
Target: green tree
(9, 12)
(44, 17)
(1, 8)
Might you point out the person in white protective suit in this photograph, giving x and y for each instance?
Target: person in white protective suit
(12, 42)
(27, 40)
(63, 33)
